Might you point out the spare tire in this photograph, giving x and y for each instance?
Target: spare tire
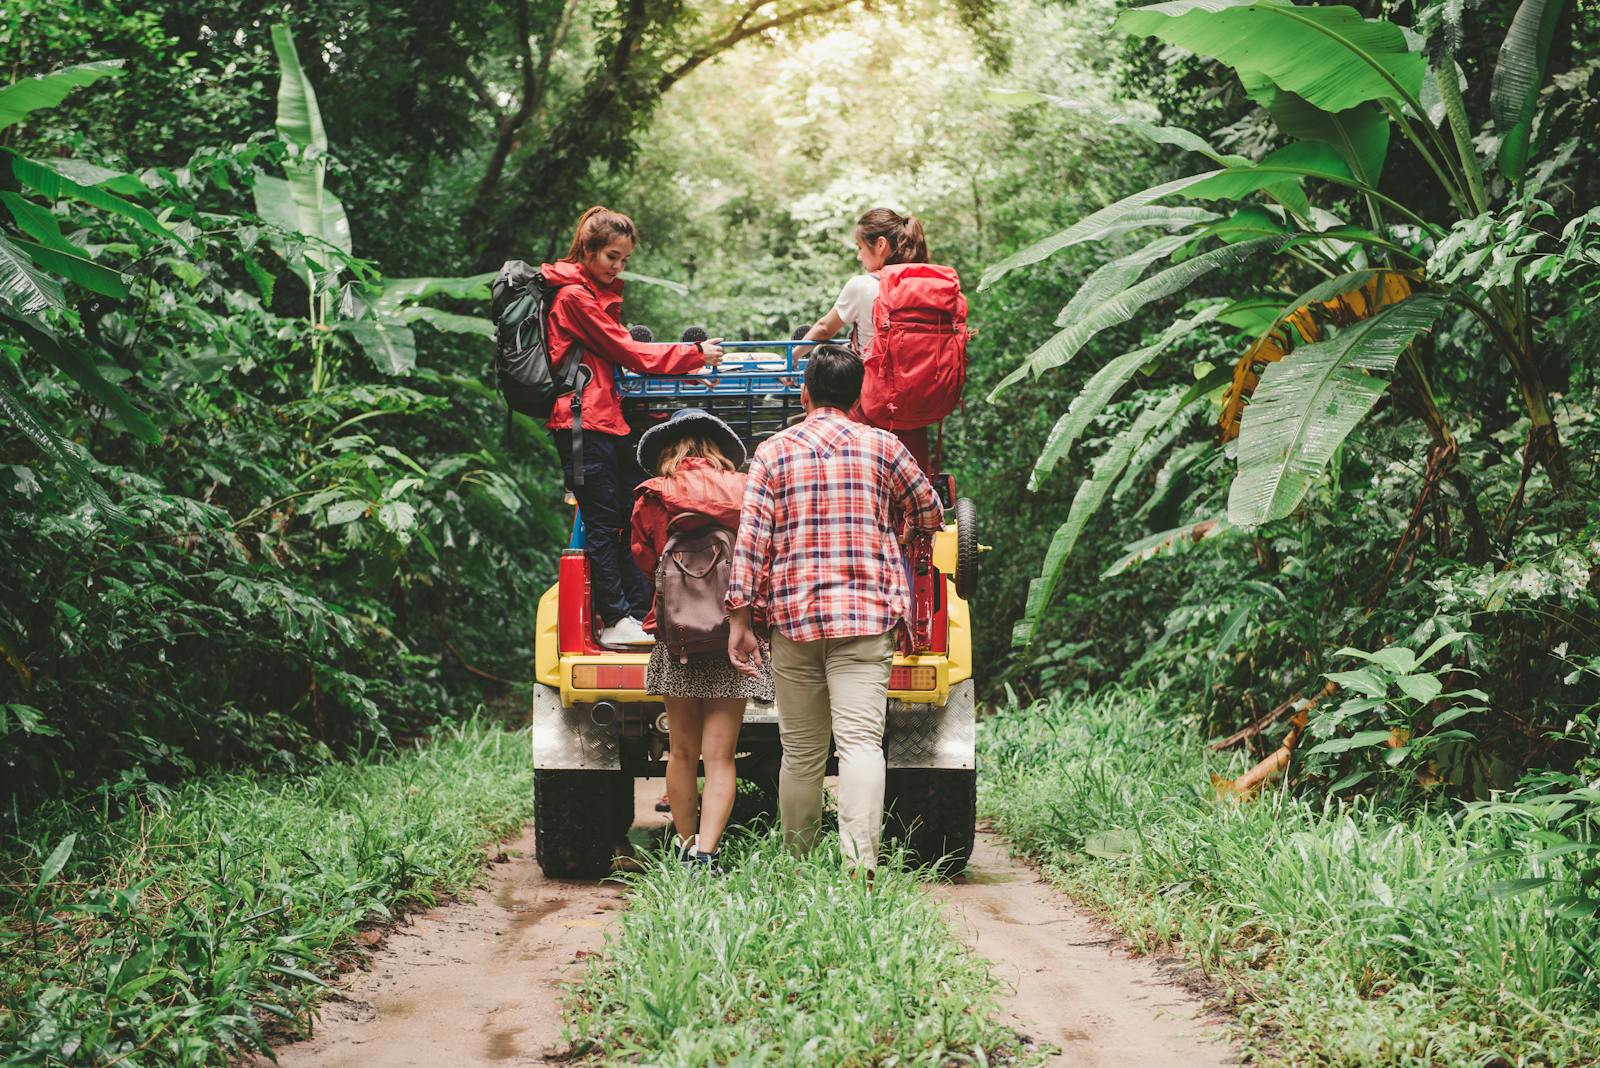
(966, 548)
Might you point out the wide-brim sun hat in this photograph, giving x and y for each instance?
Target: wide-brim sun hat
(684, 422)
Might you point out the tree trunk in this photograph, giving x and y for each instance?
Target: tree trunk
(535, 81)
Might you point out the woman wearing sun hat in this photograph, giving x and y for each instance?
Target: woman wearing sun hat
(695, 459)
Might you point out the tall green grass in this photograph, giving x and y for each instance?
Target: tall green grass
(171, 931)
(786, 961)
(1346, 935)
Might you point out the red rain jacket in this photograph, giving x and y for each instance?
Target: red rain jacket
(696, 486)
(588, 314)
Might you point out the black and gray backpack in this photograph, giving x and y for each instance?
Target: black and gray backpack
(520, 303)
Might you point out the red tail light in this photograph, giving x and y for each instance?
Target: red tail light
(608, 676)
(913, 678)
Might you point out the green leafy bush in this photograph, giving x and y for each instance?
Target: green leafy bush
(230, 533)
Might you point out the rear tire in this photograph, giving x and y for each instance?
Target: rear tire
(933, 812)
(966, 548)
(576, 817)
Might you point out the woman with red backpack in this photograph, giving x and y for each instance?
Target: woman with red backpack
(684, 522)
(586, 314)
(908, 323)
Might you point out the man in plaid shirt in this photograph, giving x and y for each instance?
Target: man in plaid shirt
(818, 552)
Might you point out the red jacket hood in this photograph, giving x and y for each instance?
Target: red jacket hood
(697, 486)
(567, 273)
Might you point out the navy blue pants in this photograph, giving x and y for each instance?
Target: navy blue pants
(610, 473)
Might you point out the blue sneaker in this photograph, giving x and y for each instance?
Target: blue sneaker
(707, 863)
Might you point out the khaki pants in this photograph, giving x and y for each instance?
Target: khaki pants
(836, 686)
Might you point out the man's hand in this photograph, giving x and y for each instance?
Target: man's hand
(744, 652)
(712, 349)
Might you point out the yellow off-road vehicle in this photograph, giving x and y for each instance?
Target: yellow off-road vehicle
(595, 729)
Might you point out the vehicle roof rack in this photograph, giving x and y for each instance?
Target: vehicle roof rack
(755, 390)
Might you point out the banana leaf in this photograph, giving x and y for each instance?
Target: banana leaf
(1091, 494)
(1167, 483)
(1146, 454)
(75, 267)
(292, 205)
(1329, 55)
(449, 322)
(1307, 404)
(53, 185)
(1518, 76)
(20, 99)
(1128, 213)
(1361, 133)
(1125, 305)
(299, 121)
(1101, 387)
(1172, 542)
(1302, 159)
(86, 173)
(1109, 279)
(396, 291)
(37, 222)
(391, 344)
(23, 286)
(1244, 224)
(1253, 315)
(301, 202)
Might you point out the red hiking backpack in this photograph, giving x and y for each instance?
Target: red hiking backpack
(918, 363)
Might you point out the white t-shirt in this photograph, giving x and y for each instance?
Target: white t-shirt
(854, 306)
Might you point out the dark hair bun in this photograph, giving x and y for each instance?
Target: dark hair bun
(694, 334)
(640, 332)
(800, 333)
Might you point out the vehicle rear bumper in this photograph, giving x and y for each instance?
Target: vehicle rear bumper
(625, 736)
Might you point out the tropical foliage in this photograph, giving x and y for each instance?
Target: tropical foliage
(1283, 408)
(239, 507)
(1338, 88)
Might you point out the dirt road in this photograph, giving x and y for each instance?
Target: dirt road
(1071, 988)
(476, 983)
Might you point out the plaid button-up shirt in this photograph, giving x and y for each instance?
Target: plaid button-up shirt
(817, 546)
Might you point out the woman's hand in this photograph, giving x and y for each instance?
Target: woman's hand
(712, 348)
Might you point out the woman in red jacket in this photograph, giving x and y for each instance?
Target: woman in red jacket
(696, 458)
(587, 313)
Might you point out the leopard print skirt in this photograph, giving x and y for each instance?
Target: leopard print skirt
(706, 675)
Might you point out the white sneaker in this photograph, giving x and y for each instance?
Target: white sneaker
(626, 631)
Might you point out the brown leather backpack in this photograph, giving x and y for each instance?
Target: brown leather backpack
(691, 584)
